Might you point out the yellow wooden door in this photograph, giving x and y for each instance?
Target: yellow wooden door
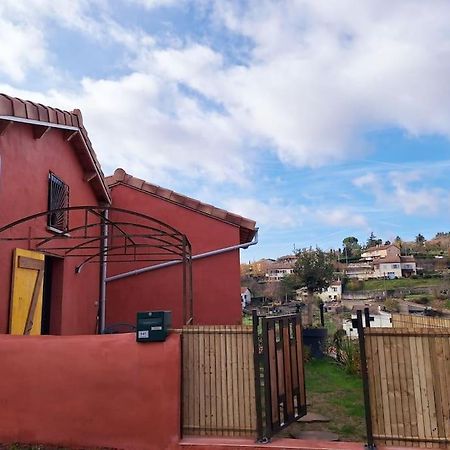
(26, 292)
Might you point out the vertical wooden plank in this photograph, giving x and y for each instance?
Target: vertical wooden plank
(424, 430)
(218, 381)
(416, 381)
(197, 380)
(236, 388)
(187, 381)
(246, 382)
(300, 364)
(429, 388)
(410, 386)
(371, 356)
(202, 387)
(252, 394)
(229, 371)
(402, 343)
(271, 338)
(212, 381)
(295, 387)
(224, 375)
(287, 369)
(240, 389)
(384, 390)
(397, 393)
(445, 384)
(207, 422)
(436, 353)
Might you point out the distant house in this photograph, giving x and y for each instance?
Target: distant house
(246, 296)
(377, 318)
(362, 270)
(381, 251)
(283, 266)
(332, 293)
(382, 261)
(278, 270)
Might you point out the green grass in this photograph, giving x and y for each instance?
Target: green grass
(373, 285)
(246, 320)
(337, 395)
(332, 392)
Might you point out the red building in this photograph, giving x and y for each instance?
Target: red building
(215, 236)
(43, 149)
(47, 162)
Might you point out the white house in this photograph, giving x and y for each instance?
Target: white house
(377, 318)
(332, 293)
(278, 270)
(246, 297)
(382, 261)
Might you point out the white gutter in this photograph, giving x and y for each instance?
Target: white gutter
(254, 241)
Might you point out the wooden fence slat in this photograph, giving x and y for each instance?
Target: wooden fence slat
(218, 381)
(409, 378)
(229, 371)
(287, 369)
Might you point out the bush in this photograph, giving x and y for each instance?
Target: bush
(392, 305)
(424, 300)
(347, 352)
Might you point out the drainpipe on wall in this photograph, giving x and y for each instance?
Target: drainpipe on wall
(254, 241)
(103, 252)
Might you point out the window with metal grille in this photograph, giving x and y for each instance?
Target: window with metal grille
(58, 197)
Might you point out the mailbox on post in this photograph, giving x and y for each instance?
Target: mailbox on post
(153, 326)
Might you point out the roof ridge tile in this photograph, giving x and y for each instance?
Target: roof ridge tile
(120, 176)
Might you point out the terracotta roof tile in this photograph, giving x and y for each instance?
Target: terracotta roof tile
(32, 111)
(162, 192)
(19, 108)
(247, 226)
(6, 108)
(43, 113)
(15, 107)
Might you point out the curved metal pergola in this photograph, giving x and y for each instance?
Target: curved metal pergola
(106, 234)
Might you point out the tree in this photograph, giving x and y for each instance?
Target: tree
(313, 270)
(420, 239)
(288, 286)
(372, 241)
(351, 247)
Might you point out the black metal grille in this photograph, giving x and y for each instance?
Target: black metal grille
(58, 197)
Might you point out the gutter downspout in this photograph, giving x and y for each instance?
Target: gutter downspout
(103, 249)
(254, 241)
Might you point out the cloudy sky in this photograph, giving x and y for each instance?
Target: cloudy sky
(319, 119)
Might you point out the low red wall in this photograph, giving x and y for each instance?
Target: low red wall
(90, 391)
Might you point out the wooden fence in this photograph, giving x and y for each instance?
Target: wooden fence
(409, 385)
(412, 322)
(218, 381)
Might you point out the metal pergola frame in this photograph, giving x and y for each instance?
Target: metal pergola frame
(105, 235)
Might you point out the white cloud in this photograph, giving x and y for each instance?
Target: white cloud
(404, 191)
(318, 75)
(342, 217)
(274, 213)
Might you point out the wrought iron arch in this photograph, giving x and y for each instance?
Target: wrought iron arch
(107, 234)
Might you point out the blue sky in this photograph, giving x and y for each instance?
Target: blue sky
(319, 119)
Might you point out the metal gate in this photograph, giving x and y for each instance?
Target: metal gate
(279, 372)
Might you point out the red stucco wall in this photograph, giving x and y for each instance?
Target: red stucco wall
(24, 166)
(90, 391)
(216, 280)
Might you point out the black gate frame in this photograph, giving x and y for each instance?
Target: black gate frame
(271, 334)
